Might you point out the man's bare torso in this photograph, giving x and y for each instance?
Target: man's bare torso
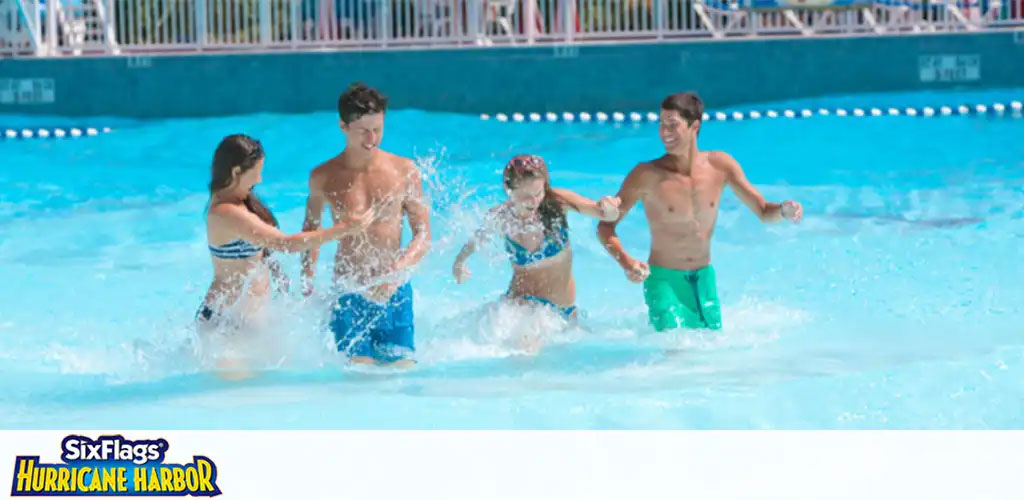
(384, 186)
(681, 211)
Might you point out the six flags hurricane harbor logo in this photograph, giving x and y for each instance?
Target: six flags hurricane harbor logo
(113, 466)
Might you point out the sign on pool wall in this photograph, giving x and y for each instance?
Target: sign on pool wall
(950, 67)
(27, 91)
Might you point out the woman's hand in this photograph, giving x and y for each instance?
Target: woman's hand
(461, 272)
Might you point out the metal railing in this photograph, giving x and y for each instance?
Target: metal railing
(71, 27)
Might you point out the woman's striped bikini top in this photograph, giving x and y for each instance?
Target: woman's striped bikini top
(237, 249)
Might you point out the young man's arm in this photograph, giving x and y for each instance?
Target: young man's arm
(314, 214)
(417, 209)
(767, 211)
(632, 190)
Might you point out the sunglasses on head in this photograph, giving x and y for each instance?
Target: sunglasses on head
(522, 164)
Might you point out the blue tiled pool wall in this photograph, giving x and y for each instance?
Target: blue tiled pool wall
(624, 77)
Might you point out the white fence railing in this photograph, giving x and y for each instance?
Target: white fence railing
(19, 27)
(68, 27)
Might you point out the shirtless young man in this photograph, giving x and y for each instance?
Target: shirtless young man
(372, 321)
(681, 192)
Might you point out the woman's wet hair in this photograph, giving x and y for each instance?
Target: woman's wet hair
(552, 207)
(244, 152)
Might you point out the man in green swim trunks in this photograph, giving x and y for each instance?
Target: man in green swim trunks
(680, 192)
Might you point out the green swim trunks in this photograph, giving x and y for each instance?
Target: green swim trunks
(682, 299)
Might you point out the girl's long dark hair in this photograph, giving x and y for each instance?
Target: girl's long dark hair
(552, 207)
(239, 150)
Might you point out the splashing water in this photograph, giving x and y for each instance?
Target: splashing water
(891, 306)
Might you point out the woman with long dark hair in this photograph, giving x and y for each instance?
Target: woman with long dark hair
(536, 233)
(241, 231)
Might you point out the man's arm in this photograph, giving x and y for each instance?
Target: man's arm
(632, 191)
(314, 215)
(768, 212)
(277, 274)
(416, 208)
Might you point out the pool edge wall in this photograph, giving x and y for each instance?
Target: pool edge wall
(613, 77)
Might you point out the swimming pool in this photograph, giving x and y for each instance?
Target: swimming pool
(896, 303)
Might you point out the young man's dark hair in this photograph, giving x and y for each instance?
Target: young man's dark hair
(689, 106)
(359, 100)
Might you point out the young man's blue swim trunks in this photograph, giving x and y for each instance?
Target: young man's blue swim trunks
(383, 332)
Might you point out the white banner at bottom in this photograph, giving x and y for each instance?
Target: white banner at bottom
(533, 464)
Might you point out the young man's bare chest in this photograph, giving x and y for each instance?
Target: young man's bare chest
(358, 191)
(675, 197)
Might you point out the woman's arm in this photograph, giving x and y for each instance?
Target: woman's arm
(459, 269)
(254, 230)
(605, 209)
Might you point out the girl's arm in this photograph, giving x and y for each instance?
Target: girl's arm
(256, 231)
(606, 209)
(459, 269)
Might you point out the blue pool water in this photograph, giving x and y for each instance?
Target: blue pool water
(897, 303)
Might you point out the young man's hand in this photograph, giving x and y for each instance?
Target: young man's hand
(382, 293)
(637, 271)
(307, 285)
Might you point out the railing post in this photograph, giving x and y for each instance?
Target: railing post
(11, 15)
(531, 21)
(660, 17)
(473, 19)
(35, 26)
(567, 7)
(200, 6)
(264, 19)
(110, 28)
(384, 16)
(293, 27)
(52, 7)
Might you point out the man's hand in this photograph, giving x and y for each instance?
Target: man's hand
(382, 293)
(280, 278)
(792, 210)
(307, 286)
(637, 271)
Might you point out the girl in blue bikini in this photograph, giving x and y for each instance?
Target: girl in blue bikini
(533, 223)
